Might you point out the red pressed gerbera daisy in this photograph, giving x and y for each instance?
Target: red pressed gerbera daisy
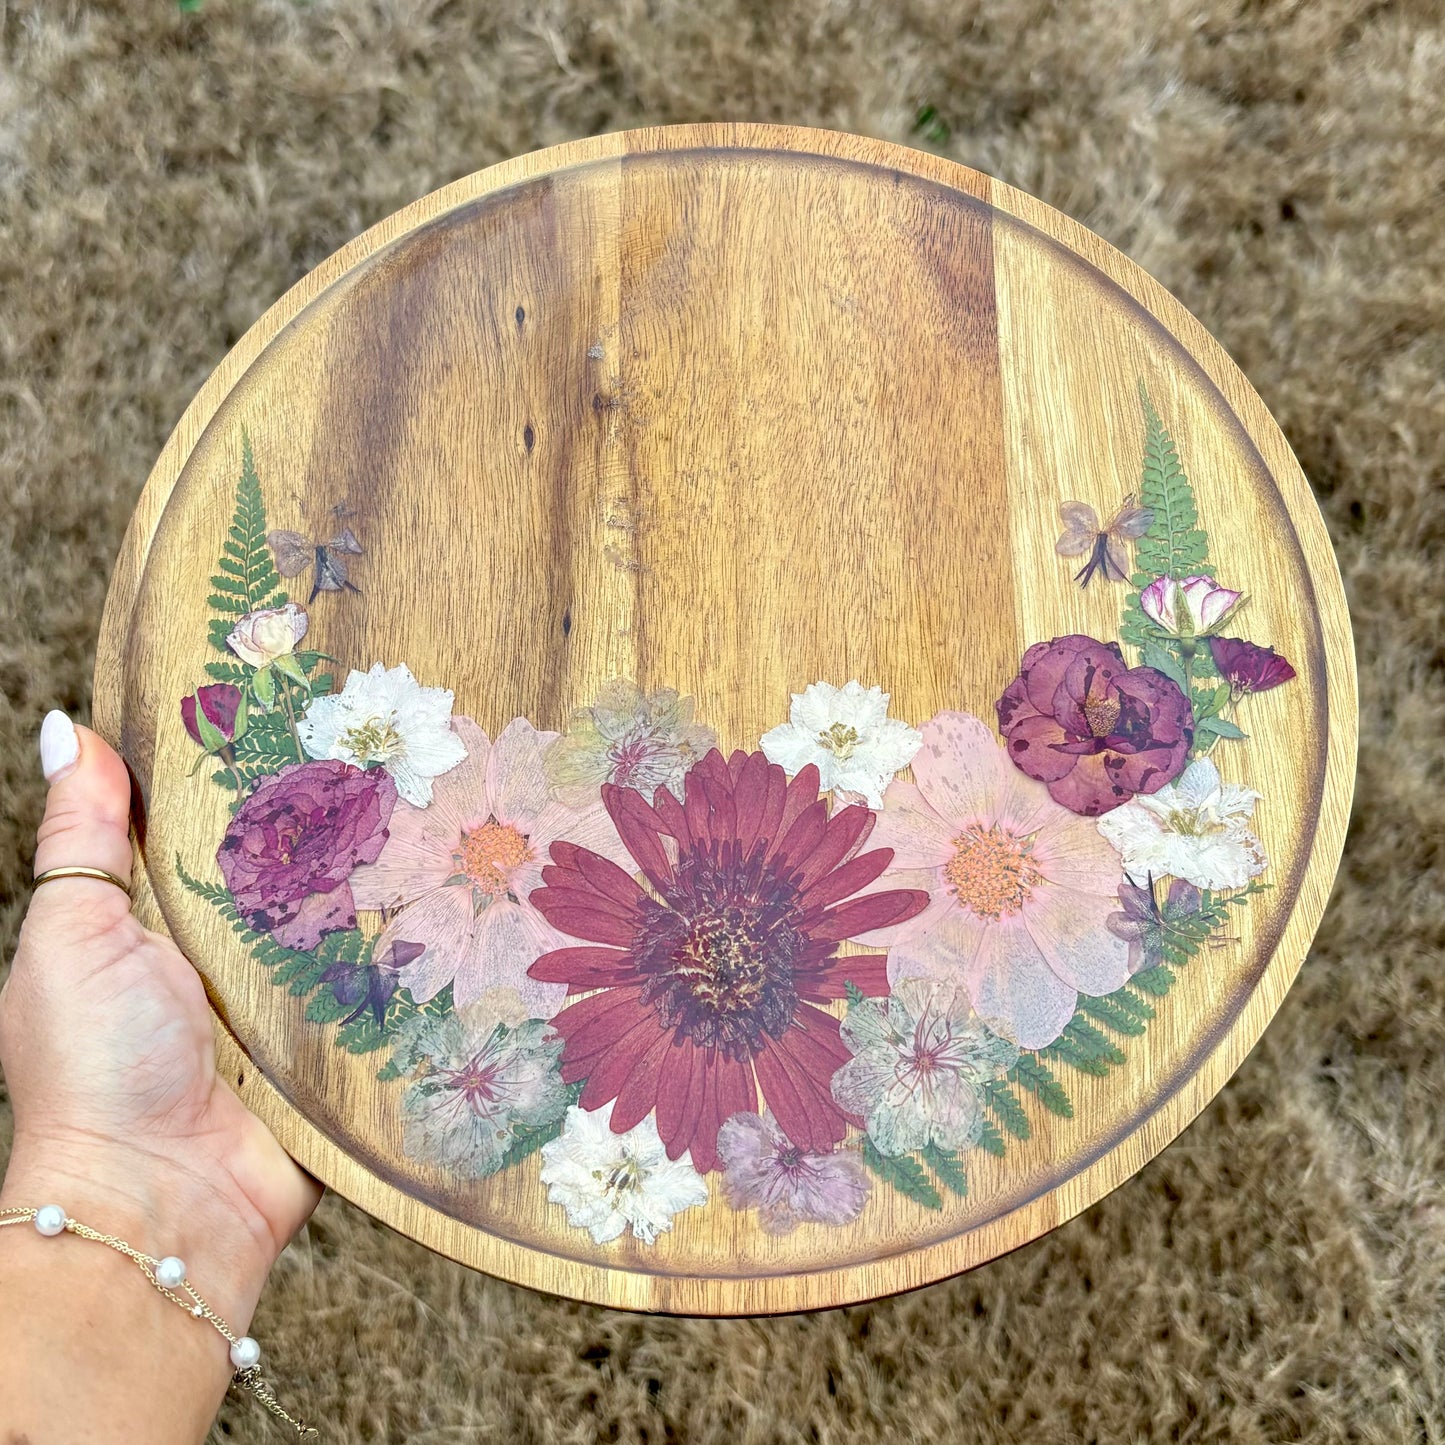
(707, 986)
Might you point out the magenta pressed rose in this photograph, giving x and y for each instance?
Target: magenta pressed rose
(218, 702)
(1096, 730)
(1247, 667)
(289, 851)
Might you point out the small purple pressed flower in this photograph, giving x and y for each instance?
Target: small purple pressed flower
(1247, 667)
(766, 1171)
(362, 986)
(1145, 925)
(290, 850)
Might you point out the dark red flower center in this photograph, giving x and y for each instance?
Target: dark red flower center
(718, 953)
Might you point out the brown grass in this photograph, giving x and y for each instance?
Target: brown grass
(1277, 1274)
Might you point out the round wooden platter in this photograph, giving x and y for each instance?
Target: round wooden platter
(726, 410)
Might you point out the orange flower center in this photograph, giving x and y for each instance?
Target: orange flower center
(489, 854)
(991, 871)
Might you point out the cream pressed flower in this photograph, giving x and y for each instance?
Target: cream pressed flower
(386, 718)
(847, 733)
(920, 1059)
(610, 1182)
(1194, 828)
(261, 637)
(472, 1089)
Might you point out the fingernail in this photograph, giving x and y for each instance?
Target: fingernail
(59, 745)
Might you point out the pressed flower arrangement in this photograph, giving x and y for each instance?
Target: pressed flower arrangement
(783, 977)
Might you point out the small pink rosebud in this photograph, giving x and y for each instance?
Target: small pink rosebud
(1192, 607)
(219, 703)
(261, 637)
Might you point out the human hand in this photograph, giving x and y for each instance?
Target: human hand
(106, 1044)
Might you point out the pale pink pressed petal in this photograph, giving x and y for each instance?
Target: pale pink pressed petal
(442, 923)
(943, 952)
(517, 790)
(459, 796)
(415, 859)
(508, 940)
(1071, 931)
(1071, 851)
(964, 775)
(918, 835)
(588, 827)
(940, 901)
(1013, 987)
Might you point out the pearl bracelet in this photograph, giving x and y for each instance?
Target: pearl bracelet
(168, 1275)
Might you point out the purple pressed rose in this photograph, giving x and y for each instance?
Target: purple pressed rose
(1189, 607)
(219, 703)
(1096, 730)
(290, 849)
(1247, 667)
(766, 1171)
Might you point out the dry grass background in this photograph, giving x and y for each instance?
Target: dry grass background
(1277, 1274)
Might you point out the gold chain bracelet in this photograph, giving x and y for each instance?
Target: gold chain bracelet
(168, 1275)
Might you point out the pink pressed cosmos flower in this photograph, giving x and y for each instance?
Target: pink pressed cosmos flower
(1021, 889)
(462, 870)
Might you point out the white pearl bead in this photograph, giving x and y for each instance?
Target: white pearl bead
(245, 1353)
(171, 1272)
(50, 1220)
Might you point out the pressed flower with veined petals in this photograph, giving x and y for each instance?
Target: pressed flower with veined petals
(920, 1058)
(1146, 926)
(386, 718)
(1194, 829)
(764, 1170)
(1020, 888)
(846, 733)
(462, 871)
(471, 1089)
(709, 985)
(610, 1181)
(634, 739)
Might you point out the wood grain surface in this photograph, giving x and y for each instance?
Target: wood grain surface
(726, 409)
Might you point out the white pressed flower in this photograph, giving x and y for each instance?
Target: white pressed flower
(919, 1060)
(1193, 828)
(386, 718)
(610, 1182)
(473, 1086)
(847, 733)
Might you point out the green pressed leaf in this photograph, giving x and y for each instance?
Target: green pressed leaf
(1007, 1109)
(855, 995)
(949, 1169)
(904, 1173)
(990, 1140)
(245, 579)
(1033, 1074)
(1113, 1013)
(1085, 1048)
(1219, 727)
(323, 1008)
(236, 673)
(1156, 981)
(1158, 655)
(388, 1071)
(1174, 546)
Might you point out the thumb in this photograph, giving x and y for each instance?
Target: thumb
(87, 815)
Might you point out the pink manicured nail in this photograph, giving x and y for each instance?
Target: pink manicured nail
(59, 745)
